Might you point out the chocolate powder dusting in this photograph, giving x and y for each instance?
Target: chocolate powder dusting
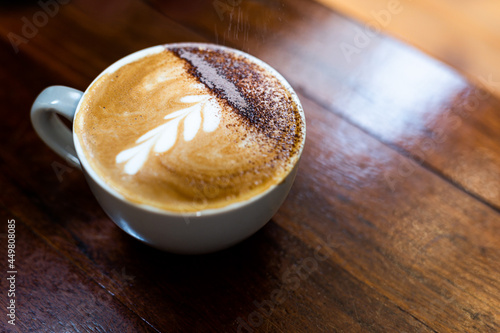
(256, 95)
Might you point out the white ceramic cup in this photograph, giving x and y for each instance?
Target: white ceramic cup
(188, 233)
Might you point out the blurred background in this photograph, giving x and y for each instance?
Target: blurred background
(462, 33)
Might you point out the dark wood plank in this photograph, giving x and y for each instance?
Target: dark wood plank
(52, 294)
(273, 281)
(428, 247)
(95, 35)
(408, 101)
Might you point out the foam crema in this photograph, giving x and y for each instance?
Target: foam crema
(190, 128)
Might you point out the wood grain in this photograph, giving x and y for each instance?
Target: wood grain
(52, 294)
(371, 238)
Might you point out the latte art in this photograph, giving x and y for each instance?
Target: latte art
(190, 128)
(163, 137)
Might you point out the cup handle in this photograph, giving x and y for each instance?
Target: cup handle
(53, 101)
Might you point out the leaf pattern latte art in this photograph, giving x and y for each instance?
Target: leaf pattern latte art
(205, 110)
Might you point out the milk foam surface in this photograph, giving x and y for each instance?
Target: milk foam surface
(189, 129)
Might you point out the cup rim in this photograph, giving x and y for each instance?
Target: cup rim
(204, 212)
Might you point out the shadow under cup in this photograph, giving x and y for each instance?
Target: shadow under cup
(187, 233)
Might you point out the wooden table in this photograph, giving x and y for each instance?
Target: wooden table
(392, 225)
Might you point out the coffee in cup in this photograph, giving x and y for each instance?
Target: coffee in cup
(190, 128)
(188, 147)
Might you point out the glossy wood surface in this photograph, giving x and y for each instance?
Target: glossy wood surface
(392, 225)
